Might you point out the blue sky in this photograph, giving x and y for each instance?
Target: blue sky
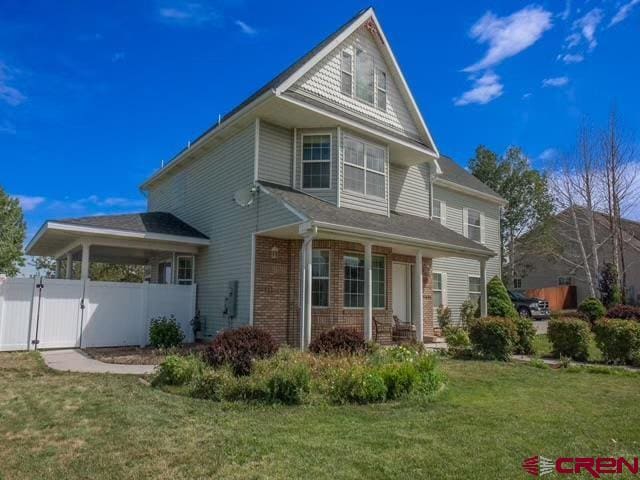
(94, 95)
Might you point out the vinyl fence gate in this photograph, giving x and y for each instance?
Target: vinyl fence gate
(54, 313)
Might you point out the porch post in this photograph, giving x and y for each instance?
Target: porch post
(307, 298)
(419, 308)
(84, 269)
(57, 268)
(483, 288)
(368, 294)
(68, 272)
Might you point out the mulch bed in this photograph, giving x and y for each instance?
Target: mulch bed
(141, 356)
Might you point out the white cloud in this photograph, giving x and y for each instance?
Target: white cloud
(189, 14)
(29, 203)
(623, 12)
(112, 202)
(527, 95)
(118, 56)
(485, 89)
(508, 36)
(245, 28)
(549, 154)
(555, 82)
(10, 95)
(571, 57)
(585, 28)
(567, 10)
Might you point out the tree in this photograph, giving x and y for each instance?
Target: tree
(45, 266)
(498, 302)
(529, 203)
(609, 285)
(12, 235)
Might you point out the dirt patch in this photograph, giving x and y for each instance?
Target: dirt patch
(141, 356)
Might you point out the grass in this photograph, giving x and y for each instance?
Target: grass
(491, 416)
(543, 348)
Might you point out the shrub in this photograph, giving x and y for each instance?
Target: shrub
(338, 340)
(494, 337)
(570, 337)
(608, 285)
(624, 312)
(526, 334)
(357, 384)
(211, 384)
(240, 347)
(591, 309)
(619, 340)
(399, 378)
(469, 311)
(458, 342)
(165, 332)
(444, 316)
(178, 370)
(498, 301)
(289, 383)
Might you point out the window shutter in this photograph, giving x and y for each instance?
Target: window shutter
(445, 296)
(482, 228)
(465, 222)
(443, 212)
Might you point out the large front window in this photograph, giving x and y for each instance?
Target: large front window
(364, 76)
(354, 281)
(320, 278)
(364, 168)
(316, 161)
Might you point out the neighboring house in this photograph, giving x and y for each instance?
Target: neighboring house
(324, 202)
(560, 262)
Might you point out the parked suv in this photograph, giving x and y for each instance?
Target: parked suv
(530, 307)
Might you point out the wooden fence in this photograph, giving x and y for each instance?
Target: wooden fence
(559, 298)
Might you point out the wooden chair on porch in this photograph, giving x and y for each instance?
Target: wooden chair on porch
(402, 332)
(381, 331)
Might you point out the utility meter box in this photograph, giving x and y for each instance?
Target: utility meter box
(231, 299)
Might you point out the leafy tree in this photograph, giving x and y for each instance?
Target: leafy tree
(609, 285)
(45, 266)
(12, 235)
(498, 301)
(110, 272)
(526, 190)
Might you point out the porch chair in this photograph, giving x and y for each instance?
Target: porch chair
(402, 331)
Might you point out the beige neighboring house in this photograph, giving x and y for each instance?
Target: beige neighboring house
(544, 269)
(321, 200)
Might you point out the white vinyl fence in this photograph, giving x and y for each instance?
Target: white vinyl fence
(53, 313)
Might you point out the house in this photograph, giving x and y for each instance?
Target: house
(559, 262)
(321, 200)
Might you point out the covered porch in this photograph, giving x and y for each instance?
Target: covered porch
(165, 245)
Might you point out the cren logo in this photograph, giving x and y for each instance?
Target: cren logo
(538, 466)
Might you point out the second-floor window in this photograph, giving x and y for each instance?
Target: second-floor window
(517, 283)
(473, 225)
(364, 168)
(316, 161)
(439, 211)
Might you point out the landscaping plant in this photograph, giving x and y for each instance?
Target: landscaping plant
(498, 301)
(469, 311)
(608, 285)
(619, 340)
(165, 332)
(240, 347)
(570, 337)
(526, 334)
(444, 316)
(624, 312)
(494, 337)
(178, 370)
(458, 343)
(592, 310)
(340, 340)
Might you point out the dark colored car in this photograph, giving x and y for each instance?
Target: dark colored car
(535, 308)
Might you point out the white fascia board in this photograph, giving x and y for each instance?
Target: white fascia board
(180, 157)
(390, 237)
(469, 191)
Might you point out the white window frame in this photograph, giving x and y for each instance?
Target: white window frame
(384, 284)
(565, 284)
(343, 72)
(443, 289)
(364, 166)
(344, 279)
(379, 89)
(466, 224)
(303, 161)
(469, 292)
(443, 211)
(517, 283)
(327, 278)
(183, 281)
(355, 76)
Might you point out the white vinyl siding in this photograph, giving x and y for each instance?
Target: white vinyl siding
(409, 189)
(275, 154)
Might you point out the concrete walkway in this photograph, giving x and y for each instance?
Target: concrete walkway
(76, 361)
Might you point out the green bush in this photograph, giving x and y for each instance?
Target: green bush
(494, 337)
(357, 384)
(458, 342)
(165, 332)
(608, 285)
(570, 337)
(444, 316)
(592, 310)
(618, 340)
(469, 311)
(526, 334)
(289, 383)
(498, 301)
(212, 384)
(399, 378)
(178, 370)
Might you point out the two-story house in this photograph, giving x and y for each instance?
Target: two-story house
(322, 201)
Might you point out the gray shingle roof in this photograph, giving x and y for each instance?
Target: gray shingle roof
(410, 226)
(147, 222)
(454, 173)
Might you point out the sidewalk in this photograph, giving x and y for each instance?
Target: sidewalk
(76, 361)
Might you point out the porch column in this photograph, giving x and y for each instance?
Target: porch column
(57, 268)
(68, 272)
(308, 256)
(368, 294)
(84, 269)
(419, 307)
(483, 288)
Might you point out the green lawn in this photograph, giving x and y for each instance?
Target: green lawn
(491, 416)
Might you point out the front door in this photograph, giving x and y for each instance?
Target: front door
(401, 288)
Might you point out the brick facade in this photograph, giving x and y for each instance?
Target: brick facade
(276, 302)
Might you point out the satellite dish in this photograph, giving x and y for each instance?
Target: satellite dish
(244, 197)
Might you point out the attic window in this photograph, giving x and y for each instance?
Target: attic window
(347, 73)
(382, 89)
(364, 76)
